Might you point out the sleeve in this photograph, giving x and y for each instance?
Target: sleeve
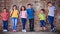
(54, 8)
(20, 13)
(33, 10)
(26, 12)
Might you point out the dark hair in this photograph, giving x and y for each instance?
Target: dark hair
(49, 2)
(29, 4)
(4, 8)
(21, 8)
(14, 6)
(43, 10)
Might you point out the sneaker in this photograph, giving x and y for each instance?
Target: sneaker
(54, 29)
(24, 30)
(14, 30)
(4, 30)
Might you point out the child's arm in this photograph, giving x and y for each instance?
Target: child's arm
(47, 13)
(38, 16)
(26, 14)
(55, 15)
(20, 14)
(1, 16)
(10, 13)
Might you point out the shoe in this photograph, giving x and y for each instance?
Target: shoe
(14, 30)
(5, 30)
(24, 30)
(54, 29)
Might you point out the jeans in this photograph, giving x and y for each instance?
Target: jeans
(31, 24)
(42, 23)
(14, 23)
(23, 22)
(51, 21)
(5, 25)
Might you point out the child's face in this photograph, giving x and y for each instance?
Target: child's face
(29, 6)
(4, 10)
(50, 4)
(22, 8)
(41, 11)
(14, 7)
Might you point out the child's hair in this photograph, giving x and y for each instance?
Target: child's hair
(29, 4)
(14, 6)
(6, 9)
(21, 8)
(49, 2)
(43, 10)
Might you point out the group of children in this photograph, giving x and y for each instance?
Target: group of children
(28, 13)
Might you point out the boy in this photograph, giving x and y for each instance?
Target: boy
(4, 16)
(30, 12)
(51, 10)
(42, 18)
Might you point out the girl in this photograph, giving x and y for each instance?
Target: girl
(23, 15)
(14, 15)
(42, 19)
(4, 16)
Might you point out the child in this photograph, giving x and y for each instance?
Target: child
(42, 18)
(23, 15)
(30, 12)
(4, 16)
(14, 14)
(51, 10)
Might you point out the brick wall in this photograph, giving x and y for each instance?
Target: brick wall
(37, 5)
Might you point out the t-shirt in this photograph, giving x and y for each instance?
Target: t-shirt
(4, 16)
(42, 16)
(30, 13)
(51, 11)
(23, 14)
(15, 13)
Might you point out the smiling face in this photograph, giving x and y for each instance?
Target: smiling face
(41, 11)
(29, 6)
(14, 7)
(23, 8)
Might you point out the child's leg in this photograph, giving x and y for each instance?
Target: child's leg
(41, 28)
(51, 21)
(41, 24)
(15, 25)
(44, 24)
(23, 22)
(31, 24)
(44, 28)
(6, 25)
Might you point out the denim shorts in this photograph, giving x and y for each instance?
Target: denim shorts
(42, 23)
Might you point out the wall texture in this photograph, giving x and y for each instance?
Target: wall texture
(37, 5)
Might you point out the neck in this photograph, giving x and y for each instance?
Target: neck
(23, 10)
